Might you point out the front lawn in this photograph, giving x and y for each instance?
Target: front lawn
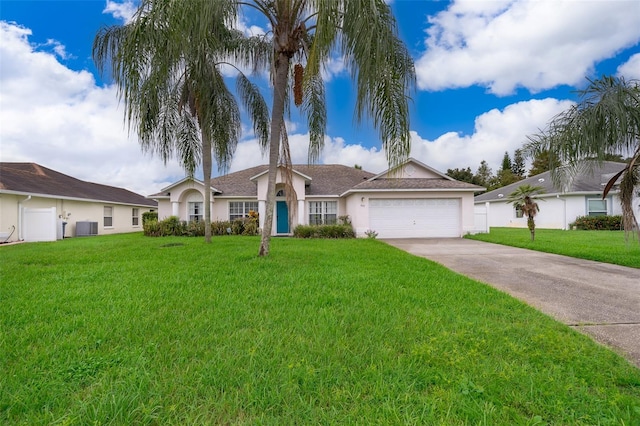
(602, 246)
(132, 330)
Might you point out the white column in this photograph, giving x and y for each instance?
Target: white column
(301, 215)
(262, 208)
(175, 208)
(487, 207)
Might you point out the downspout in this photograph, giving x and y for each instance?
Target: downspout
(20, 233)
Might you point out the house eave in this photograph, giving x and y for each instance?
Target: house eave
(63, 197)
(357, 191)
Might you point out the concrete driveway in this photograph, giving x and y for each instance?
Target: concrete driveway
(598, 299)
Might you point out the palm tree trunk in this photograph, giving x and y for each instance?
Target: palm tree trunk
(532, 228)
(206, 170)
(277, 117)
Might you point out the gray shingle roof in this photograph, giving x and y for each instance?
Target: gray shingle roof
(326, 179)
(586, 181)
(417, 184)
(31, 178)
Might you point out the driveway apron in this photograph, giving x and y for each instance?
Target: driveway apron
(598, 299)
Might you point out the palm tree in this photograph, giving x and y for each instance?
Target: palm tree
(522, 199)
(305, 33)
(165, 63)
(605, 122)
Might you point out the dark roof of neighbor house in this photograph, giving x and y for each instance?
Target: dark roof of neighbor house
(32, 178)
(588, 180)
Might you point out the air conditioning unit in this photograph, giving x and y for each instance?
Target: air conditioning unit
(86, 229)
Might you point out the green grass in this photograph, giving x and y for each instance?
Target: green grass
(602, 246)
(131, 330)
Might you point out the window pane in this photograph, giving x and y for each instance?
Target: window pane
(251, 206)
(330, 219)
(108, 216)
(315, 219)
(331, 207)
(195, 211)
(597, 207)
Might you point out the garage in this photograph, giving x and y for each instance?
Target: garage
(415, 217)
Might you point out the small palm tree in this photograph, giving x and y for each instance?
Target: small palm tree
(522, 199)
(165, 63)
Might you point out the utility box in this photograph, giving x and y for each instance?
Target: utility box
(86, 229)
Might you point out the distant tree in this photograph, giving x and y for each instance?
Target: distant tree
(517, 166)
(542, 162)
(484, 175)
(505, 177)
(522, 199)
(357, 167)
(506, 162)
(463, 175)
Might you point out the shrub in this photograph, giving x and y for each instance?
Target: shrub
(370, 233)
(147, 216)
(324, 231)
(172, 226)
(152, 228)
(598, 223)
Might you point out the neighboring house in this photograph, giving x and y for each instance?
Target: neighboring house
(35, 201)
(559, 207)
(412, 201)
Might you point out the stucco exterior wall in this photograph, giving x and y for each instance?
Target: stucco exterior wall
(71, 210)
(555, 212)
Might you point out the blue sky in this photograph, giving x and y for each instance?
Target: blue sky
(489, 73)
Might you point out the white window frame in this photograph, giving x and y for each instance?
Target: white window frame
(241, 209)
(600, 212)
(135, 216)
(107, 217)
(323, 212)
(196, 211)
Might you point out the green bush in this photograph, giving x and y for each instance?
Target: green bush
(148, 216)
(152, 228)
(173, 226)
(324, 231)
(598, 223)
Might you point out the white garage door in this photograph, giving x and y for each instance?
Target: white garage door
(415, 218)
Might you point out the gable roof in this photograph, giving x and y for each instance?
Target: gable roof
(587, 181)
(34, 179)
(390, 172)
(322, 179)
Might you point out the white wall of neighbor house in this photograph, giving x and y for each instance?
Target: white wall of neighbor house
(556, 212)
(71, 211)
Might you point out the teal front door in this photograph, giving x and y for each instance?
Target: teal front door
(282, 217)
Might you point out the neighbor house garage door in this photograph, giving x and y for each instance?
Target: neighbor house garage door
(415, 218)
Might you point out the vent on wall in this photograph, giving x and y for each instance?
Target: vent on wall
(85, 229)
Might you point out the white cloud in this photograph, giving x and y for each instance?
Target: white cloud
(495, 132)
(631, 68)
(59, 118)
(123, 11)
(508, 44)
